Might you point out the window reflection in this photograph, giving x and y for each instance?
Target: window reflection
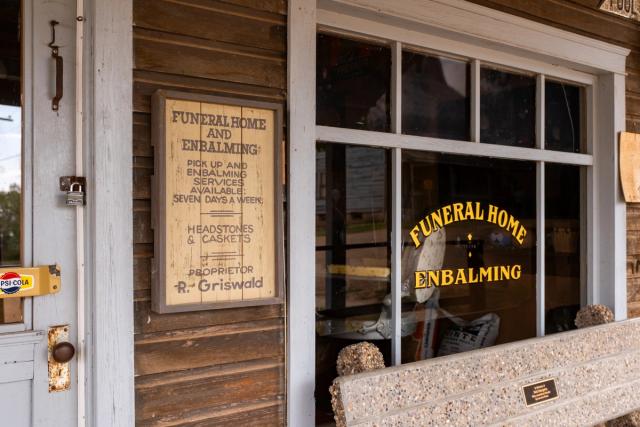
(352, 257)
(563, 283)
(507, 108)
(352, 84)
(11, 149)
(435, 96)
(563, 117)
(471, 310)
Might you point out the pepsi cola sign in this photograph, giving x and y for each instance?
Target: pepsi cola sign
(10, 282)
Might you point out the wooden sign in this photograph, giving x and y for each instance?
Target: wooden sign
(540, 392)
(217, 202)
(626, 8)
(630, 166)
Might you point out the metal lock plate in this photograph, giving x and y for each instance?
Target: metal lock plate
(59, 373)
(17, 282)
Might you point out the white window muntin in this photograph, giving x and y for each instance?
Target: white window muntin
(455, 27)
(396, 141)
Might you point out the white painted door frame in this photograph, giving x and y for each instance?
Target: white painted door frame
(108, 121)
(451, 26)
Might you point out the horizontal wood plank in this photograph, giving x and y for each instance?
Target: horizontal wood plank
(633, 244)
(572, 17)
(213, 20)
(147, 321)
(633, 124)
(147, 82)
(142, 183)
(142, 231)
(217, 387)
(245, 414)
(184, 350)
(633, 310)
(141, 275)
(167, 53)
(633, 290)
(633, 218)
(142, 135)
(633, 105)
(275, 6)
(208, 331)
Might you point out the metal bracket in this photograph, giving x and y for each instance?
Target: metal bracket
(59, 67)
(17, 282)
(67, 181)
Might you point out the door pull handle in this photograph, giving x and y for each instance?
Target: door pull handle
(59, 67)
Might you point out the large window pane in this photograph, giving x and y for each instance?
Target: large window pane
(352, 257)
(563, 117)
(507, 108)
(11, 149)
(353, 81)
(435, 96)
(562, 247)
(479, 265)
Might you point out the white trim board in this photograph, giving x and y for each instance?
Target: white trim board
(301, 202)
(460, 21)
(108, 115)
(423, 143)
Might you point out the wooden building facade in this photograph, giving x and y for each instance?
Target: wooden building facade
(227, 367)
(402, 124)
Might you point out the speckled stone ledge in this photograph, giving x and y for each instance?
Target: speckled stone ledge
(596, 370)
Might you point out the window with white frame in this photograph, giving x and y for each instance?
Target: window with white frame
(450, 201)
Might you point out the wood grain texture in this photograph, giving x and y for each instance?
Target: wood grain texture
(176, 54)
(147, 82)
(566, 15)
(211, 387)
(275, 6)
(217, 224)
(212, 345)
(149, 322)
(629, 161)
(214, 367)
(213, 20)
(110, 241)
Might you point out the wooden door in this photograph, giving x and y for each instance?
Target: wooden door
(47, 151)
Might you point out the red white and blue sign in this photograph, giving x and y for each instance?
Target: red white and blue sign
(10, 283)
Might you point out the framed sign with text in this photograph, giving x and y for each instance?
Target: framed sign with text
(217, 202)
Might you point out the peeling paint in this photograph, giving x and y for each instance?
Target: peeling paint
(59, 373)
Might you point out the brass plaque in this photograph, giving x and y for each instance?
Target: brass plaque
(540, 392)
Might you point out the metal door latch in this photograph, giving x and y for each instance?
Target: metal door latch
(75, 187)
(55, 102)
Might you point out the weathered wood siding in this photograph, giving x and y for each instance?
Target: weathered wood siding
(583, 17)
(217, 367)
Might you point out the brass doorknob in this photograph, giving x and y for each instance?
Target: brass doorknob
(63, 351)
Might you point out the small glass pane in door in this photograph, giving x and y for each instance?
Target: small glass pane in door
(10, 149)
